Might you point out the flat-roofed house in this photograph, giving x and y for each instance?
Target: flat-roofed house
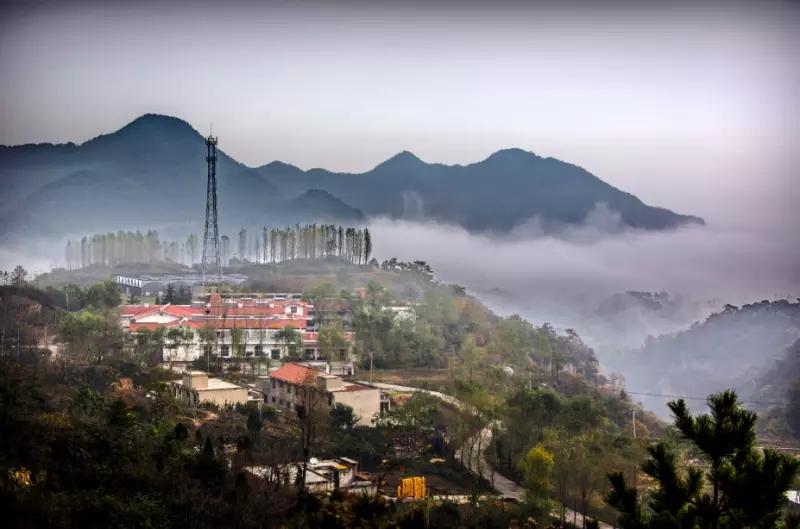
(197, 387)
(285, 388)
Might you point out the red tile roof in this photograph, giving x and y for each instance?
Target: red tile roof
(295, 374)
(133, 310)
(179, 310)
(230, 307)
(150, 326)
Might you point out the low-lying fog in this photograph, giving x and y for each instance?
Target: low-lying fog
(570, 279)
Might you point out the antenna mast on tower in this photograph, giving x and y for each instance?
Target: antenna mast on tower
(211, 264)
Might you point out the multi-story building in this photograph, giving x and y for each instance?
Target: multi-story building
(232, 328)
(288, 386)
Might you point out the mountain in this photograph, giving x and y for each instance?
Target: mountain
(729, 349)
(152, 173)
(773, 383)
(503, 191)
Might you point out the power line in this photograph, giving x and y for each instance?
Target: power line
(687, 397)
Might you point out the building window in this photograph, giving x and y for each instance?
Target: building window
(293, 309)
(276, 354)
(226, 350)
(259, 349)
(273, 386)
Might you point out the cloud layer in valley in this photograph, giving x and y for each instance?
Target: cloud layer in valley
(563, 278)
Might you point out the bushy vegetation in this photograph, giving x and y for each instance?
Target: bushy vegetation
(83, 445)
(78, 451)
(446, 325)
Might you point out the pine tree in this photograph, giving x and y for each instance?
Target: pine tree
(745, 487)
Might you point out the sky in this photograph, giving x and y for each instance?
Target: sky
(689, 106)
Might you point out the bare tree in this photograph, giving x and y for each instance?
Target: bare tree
(312, 418)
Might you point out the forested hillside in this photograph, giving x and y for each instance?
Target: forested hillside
(727, 350)
(556, 424)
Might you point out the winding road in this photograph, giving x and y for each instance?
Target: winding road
(477, 464)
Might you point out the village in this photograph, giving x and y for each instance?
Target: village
(277, 334)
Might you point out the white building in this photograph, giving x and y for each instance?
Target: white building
(231, 328)
(285, 388)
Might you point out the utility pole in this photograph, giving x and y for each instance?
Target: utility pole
(633, 422)
(371, 354)
(208, 347)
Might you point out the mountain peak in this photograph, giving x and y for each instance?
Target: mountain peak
(158, 118)
(278, 165)
(512, 154)
(402, 159)
(151, 122)
(149, 135)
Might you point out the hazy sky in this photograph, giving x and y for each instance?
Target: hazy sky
(694, 108)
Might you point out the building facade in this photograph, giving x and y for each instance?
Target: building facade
(240, 328)
(287, 386)
(197, 387)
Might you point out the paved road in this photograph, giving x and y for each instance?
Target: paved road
(394, 387)
(478, 465)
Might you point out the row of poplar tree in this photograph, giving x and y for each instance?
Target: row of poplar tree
(270, 245)
(312, 241)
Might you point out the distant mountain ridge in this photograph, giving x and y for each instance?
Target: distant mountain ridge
(152, 172)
